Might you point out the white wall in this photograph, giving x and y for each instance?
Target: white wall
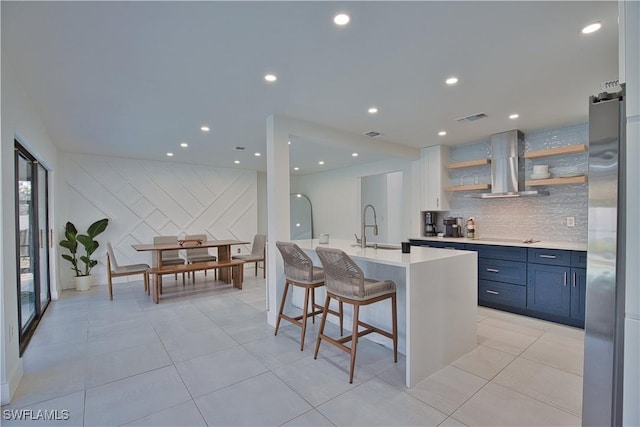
(144, 198)
(335, 196)
(20, 120)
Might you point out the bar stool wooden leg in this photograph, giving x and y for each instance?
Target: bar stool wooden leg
(394, 320)
(313, 305)
(354, 341)
(340, 311)
(284, 299)
(305, 311)
(325, 311)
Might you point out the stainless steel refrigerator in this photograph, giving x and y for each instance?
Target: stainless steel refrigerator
(604, 322)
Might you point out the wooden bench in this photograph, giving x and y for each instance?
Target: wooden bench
(237, 272)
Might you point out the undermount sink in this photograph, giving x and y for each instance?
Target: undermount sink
(379, 246)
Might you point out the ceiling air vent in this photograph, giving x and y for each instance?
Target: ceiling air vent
(472, 117)
(373, 134)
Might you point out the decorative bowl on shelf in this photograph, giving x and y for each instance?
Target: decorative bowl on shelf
(540, 176)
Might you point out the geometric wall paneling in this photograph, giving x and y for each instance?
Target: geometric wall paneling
(143, 199)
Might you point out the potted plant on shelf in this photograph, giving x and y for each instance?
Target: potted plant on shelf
(82, 264)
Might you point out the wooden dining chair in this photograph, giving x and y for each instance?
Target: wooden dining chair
(196, 254)
(115, 270)
(257, 253)
(170, 257)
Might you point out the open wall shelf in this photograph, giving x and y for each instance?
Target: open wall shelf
(557, 181)
(572, 149)
(469, 163)
(469, 187)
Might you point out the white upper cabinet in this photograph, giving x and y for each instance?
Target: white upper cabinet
(434, 177)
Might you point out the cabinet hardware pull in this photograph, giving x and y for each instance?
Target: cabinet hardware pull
(438, 201)
(575, 278)
(41, 239)
(565, 278)
(548, 256)
(449, 247)
(51, 237)
(493, 270)
(492, 292)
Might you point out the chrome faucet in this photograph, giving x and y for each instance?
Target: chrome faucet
(363, 239)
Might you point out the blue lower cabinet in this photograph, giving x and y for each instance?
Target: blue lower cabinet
(505, 294)
(548, 284)
(549, 289)
(578, 293)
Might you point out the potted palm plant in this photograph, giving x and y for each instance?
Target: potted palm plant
(81, 264)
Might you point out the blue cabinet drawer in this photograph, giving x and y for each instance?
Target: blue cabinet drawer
(502, 271)
(442, 245)
(579, 259)
(550, 256)
(509, 253)
(447, 245)
(502, 293)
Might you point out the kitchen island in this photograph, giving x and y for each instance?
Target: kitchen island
(436, 298)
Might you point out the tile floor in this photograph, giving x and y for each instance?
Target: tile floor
(207, 357)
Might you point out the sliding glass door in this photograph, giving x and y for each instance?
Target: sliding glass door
(44, 237)
(32, 242)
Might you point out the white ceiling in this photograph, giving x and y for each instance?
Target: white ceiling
(134, 79)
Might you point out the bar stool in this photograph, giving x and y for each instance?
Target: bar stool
(346, 283)
(299, 271)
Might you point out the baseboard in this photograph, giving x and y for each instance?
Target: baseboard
(9, 388)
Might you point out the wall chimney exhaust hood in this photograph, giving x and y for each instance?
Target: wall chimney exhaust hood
(507, 167)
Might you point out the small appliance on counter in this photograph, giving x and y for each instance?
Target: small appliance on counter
(471, 228)
(430, 224)
(452, 226)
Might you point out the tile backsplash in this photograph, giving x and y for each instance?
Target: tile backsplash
(543, 218)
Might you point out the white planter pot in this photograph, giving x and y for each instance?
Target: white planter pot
(83, 283)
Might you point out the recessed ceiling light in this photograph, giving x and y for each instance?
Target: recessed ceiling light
(169, 154)
(289, 142)
(257, 154)
(296, 169)
(451, 80)
(321, 162)
(270, 78)
(237, 162)
(372, 110)
(298, 195)
(205, 128)
(592, 28)
(442, 133)
(354, 154)
(341, 19)
(184, 145)
(514, 116)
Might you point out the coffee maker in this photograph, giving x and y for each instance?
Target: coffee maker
(452, 227)
(430, 224)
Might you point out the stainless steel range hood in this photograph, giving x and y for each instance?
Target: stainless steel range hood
(507, 167)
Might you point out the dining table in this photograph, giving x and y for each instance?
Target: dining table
(224, 252)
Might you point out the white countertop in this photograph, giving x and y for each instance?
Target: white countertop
(571, 246)
(383, 256)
